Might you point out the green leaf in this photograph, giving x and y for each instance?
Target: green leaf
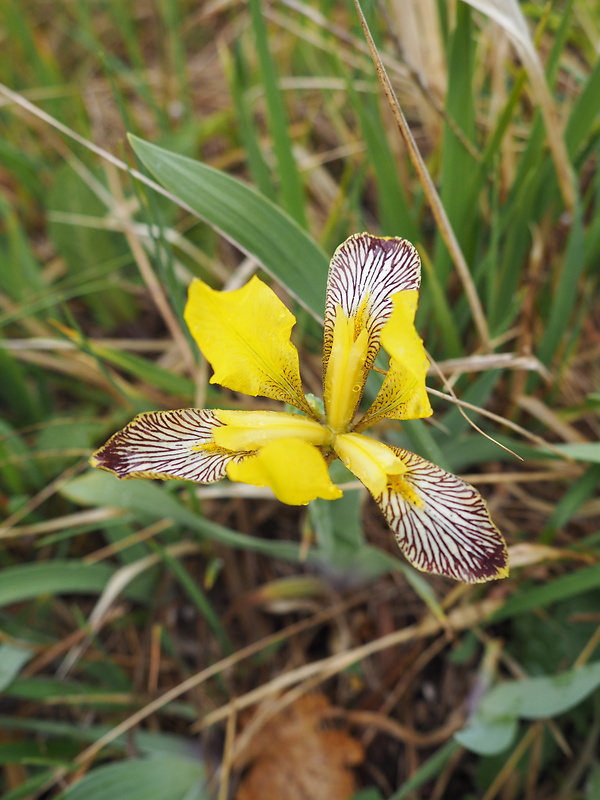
(580, 491)
(494, 725)
(371, 793)
(429, 770)
(569, 585)
(292, 194)
(84, 247)
(592, 789)
(32, 786)
(26, 581)
(543, 696)
(488, 736)
(145, 742)
(564, 298)
(337, 523)
(147, 499)
(145, 370)
(581, 451)
(12, 658)
(158, 778)
(247, 219)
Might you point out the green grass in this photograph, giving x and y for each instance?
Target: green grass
(270, 127)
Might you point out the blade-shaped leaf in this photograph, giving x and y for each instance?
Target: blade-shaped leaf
(159, 778)
(25, 581)
(143, 497)
(247, 219)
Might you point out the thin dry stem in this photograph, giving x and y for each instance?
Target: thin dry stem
(437, 207)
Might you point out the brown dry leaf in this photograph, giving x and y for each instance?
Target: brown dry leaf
(296, 757)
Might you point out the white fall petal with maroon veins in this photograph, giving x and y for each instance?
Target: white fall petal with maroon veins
(167, 444)
(441, 523)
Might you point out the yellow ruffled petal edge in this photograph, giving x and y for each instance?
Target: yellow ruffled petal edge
(245, 336)
(294, 470)
(365, 272)
(441, 523)
(168, 445)
(403, 394)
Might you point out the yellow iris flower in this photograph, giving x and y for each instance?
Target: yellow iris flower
(440, 522)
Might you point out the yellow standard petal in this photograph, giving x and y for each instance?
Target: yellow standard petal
(403, 394)
(371, 461)
(365, 272)
(345, 377)
(250, 430)
(294, 470)
(245, 335)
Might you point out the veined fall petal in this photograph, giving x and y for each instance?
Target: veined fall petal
(442, 524)
(403, 394)
(365, 272)
(168, 445)
(294, 470)
(245, 336)
(250, 430)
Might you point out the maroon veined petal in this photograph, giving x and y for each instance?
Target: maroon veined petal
(364, 273)
(168, 445)
(442, 523)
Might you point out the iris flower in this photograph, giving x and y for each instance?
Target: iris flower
(441, 523)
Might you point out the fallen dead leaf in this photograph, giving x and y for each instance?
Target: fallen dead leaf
(296, 756)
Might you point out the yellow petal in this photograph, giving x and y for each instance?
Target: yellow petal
(403, 394)
(371, 461)
(249, 430)
(245, 335)
(441, 523)
(365, 272)
(295, 471)
(167, 444)
(345, 377)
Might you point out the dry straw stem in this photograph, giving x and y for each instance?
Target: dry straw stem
(80, 366)
(148, 233)
(122, 213)
(405, 71)
(382, 724)
(228, 754)
(509, 16)
(129, 345)
(43, 495)
(501, 421)
(541, 412)
(459, 619)
(485, 361)
(64, 522)
(117, 584)
(439, 212)
(20, 101)
(509, 766)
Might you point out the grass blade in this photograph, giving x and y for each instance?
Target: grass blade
(246, 218)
